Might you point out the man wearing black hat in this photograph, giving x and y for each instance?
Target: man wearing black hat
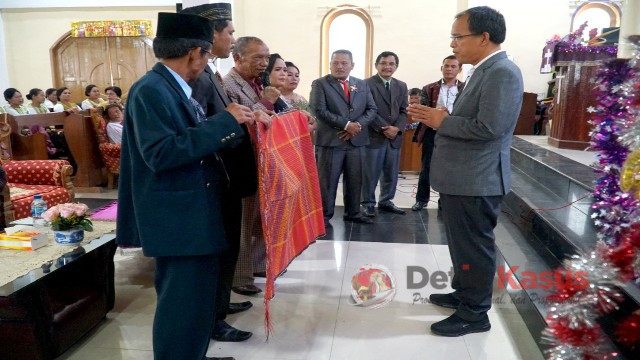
(239, 162)
(169, 203)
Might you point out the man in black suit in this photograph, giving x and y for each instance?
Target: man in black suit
(385, 136)
(239, 163)
(169, 202)
(343, 107)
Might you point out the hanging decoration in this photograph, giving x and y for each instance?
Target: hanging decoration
(573, 332)
(105, 28)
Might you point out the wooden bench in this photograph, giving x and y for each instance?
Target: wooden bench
(79, 133)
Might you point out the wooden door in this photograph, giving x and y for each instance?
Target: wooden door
(104, 61)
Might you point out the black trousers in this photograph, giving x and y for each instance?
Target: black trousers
(232, 219)
(185, 308)
(424, 185)
(469, 222)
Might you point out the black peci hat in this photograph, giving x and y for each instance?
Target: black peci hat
(186, 26)
(214, 12)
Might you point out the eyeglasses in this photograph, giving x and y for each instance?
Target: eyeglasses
(458, 37)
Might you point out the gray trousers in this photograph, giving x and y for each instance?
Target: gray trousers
(469, 222)
(382, 164)
(332, 162)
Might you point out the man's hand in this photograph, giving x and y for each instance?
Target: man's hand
(310, 120)
(429, 116)
(242, 113)
(353, 128)
(344, 136)
(390, 131)
(271, 94)
(263, 118)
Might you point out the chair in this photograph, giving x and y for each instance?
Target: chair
(26, 178)
(109, 152)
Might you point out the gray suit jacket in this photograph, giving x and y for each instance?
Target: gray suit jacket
(471, 154)
(240, 92)
(392, 110)
(332, 111)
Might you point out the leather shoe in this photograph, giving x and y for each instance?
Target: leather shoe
(246, 289)
(444, 300)
(225, 332)
(358, 219)
(391, 208)
(419, 205)
(369, 211)
(235, 308)
(457, 326)
(260, 274)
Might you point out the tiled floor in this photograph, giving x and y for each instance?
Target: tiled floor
(312, 313)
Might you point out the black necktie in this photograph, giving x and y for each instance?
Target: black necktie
(386, 85)
(199, 110)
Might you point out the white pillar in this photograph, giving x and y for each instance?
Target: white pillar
(5, 82)
(629, 25)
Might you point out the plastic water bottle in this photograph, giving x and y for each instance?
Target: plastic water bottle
(38, 206)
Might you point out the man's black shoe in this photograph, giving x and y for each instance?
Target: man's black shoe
(260, 274)
(369, 211)
(444, 300)
(419, 205)
(235, 308)
(457, 326)
(246, 290)
(358, 219)
(391, 208)
(225, 332)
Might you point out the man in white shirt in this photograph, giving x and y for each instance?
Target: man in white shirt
(113, 114)
(439, 94)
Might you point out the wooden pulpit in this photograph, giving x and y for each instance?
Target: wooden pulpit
(574, 94)
(410, 153)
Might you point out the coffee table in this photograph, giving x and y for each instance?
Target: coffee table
(47, 310)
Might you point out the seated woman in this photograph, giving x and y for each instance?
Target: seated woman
(275, 76)
(51, 98)
(114, 115)
(114, 94)
(15, 101)
(93, 100)
(293, 79)
(36, 106)
(65, 104)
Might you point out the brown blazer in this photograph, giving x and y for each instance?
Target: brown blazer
(430, 95)
(240, 92)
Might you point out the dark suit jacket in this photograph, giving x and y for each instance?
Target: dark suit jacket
(238, 158)
(473, 145)
(168, 202)
(430, 94)
(332, 110)
(392, 110)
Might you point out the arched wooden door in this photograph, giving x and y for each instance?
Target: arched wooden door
(104, 61)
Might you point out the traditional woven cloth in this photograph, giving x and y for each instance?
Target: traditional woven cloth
(289, 195)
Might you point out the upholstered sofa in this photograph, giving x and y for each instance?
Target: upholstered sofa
(26, 178)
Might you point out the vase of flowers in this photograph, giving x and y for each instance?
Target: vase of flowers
(69, 222)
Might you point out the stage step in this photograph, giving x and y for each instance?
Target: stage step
(543, 184)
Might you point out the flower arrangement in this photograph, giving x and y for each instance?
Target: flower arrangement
(68, 216)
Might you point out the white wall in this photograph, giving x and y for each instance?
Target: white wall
(30, 33)
(417, 30)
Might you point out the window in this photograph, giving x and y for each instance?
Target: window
(598, 15)
(350, 28)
